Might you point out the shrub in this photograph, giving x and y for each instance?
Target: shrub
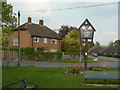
(108, 55)
(29, 51)
(14, 49)
(76, 69)
(116, 56)
(96, 68)
(59, 55)
(40, 49)
(100, 54)
(2, 48)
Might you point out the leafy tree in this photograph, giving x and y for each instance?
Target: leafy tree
(9, 20)
(71, 41)
(64, 29)
(8, 17)
(117, 43)
(97, 44)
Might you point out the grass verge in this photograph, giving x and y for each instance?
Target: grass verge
(48, 77)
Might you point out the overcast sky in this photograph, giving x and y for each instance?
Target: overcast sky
(103, 18)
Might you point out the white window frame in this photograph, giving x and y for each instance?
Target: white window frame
(53, 50)
(53, 41)
(45, 40)
(36, 49)
(45, 50)
(36, 39)
(15, 41)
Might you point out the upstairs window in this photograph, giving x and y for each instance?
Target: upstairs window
(36, 39)
(15, 41)
(45, 40)
(54, 41)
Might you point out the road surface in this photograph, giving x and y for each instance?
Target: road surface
(106, 58)
(47, 64)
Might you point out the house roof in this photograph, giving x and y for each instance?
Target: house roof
(111, 50)
(39, 30)
(96, 49)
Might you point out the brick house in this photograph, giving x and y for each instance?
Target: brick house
(36, 35)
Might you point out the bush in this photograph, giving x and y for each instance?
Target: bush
(2, 48)
(96, 68)
(29, 51)
(51, 55)
(76, 69)
(40, 49)
(14, 49)
(100, 54)
(116, 56)
(108, 55)
(59, 55)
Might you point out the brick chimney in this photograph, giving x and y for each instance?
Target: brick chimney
(41, 22)
(29, 19)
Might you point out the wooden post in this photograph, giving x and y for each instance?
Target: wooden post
(86, 54)
(18, 39)
(8, 48)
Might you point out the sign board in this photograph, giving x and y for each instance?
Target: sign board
(86, 30)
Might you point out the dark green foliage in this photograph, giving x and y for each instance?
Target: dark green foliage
(2, 48)
(29, 51)
(97, 44)
(108, 55)
(50, 55)
(59, 55)
(40, 49)
(31, 54)
(14, 49)
(116, 56)
(100, 54)
(117, 43)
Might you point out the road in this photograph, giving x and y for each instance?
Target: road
(106, 58)
(47, 64)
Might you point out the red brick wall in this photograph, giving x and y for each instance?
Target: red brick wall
(27, 41)
(47, 45)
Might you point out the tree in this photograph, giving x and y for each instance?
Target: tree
(117, 43)
(111, 44)
(71, 42)
(97, 44)
(9, 20)
(64, 30)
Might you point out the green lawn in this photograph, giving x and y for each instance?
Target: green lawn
(90, 60)
(48, 77)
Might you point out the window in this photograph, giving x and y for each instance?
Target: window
(45, 50)
(35, 49)
(54, 41)
(53, 50)
(45, 40)
(36, 39)
(15, 41)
